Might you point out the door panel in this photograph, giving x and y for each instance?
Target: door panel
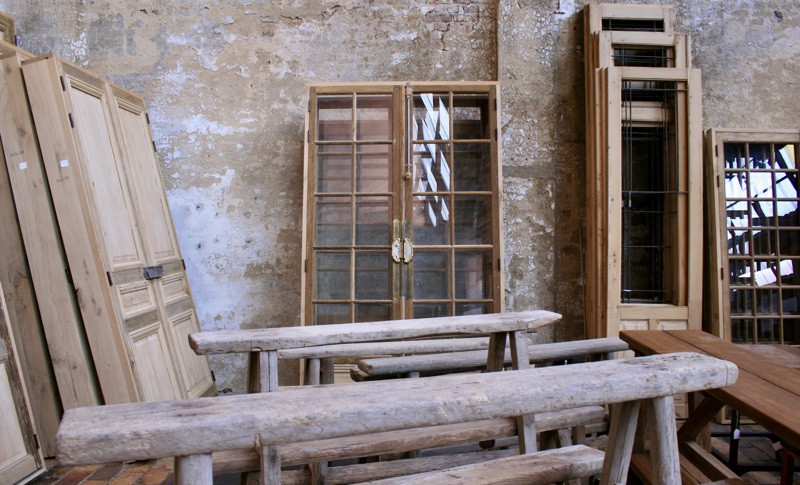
(192, 367)
(153, 364)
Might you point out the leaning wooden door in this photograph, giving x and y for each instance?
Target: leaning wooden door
(165, 266)
(20, 456)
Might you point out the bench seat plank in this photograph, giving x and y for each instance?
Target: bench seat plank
(430, 346)
(571, 462)
(124, 432)
(259, 340)
(538, 353)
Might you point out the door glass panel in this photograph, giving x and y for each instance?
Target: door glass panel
(739, 242)
(328, 313)
(373, 117)
(470, 121)
(768, 330)
(473, 308)
(789, 301)
(332, 276)
(742, 301)
(430, 275)
(373, 221)
(333, 221)
(373, 276)
(764, 243)
(762, 214)
(473, 219)
(334, 118)
(373, 168)
(431, 117)
(760, 156)
(334, 168)
(372, 313)
(472, 167)
(473, 280)
(432, 171)
(431, 220)
(431, 310)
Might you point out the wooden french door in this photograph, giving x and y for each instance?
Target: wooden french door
(402, 202)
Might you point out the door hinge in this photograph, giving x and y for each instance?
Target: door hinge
(722, 274)
(183, 263)
(499, 264)
(36, 440)
(69, 278)
(108, 277)
(309, 106)
(495, 133)
(154, 147)
(213, 377)
(716, 150)
(717, 181)
(147, 117)
(153, 272)
(71, 120)
(305, 266)
(308, 136)
(63, 84)
(495, 104)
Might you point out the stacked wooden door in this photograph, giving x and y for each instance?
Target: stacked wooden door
(125, 264)
(644, 173)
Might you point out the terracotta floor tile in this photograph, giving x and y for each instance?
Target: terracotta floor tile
(75, 476)
(108, 472)
(127, 478)
(155, 476)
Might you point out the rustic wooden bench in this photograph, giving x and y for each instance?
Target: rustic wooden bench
(427, 364)
(192, 430)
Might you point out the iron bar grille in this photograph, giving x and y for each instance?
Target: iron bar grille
(634, 25)
(763, 231)
(644, 56)
(650, 192)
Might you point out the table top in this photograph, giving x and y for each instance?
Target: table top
(767, 391)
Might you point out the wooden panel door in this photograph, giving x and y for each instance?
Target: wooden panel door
(162, 253)
(20, 457)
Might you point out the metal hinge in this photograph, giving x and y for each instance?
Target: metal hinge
(308, 136)
(183, 262)
(213, 377)
(147, 117)
(36, 440)
(63, 84)
(716, 150)
(305, 266)
(495, 104)
(154, 147)
(108, 277)
(71, 120)
(153, 272)
(309, 106)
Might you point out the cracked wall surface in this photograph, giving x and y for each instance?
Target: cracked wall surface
(225, 84)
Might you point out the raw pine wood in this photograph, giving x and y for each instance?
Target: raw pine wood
(292, 337)
(270, 465)
(20, 458)
(59, 334)
(103, 434)
(544, 467)
(7, 30)
(538, 353)
(190, 470)
(428, 346)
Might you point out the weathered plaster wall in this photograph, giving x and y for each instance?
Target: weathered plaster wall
(225, 83)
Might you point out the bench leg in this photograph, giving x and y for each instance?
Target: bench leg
(194, 470)
(520, 359)
(620, 442)
(262, 372)
(664, 441)
(270, 465)
(312, 372)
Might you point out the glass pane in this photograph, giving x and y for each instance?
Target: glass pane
(762, 214)
(334, 118)
(327, 313)
(736, 186)
(473, 219)
(373, 221)
(740, 271)
(431, 168)
(741, 302)
(373, 313)
(742, 330)
(739, 242)
(374, 117)
(735, 156)
(470, 117)
(431, 310)
(333, 221)
(765, 272)
(431, 220)
(761, 186)
(431, 117)
(767, 302)
(472, 167)
(788, 273)
(473, 280)
(785, 157)
(768, 330)
(473, 308)
(373, 168)
(332, 276)
(760, 156)
(789, 301)
(373, 276)
(334, 168)
(791, 332)
(764, 243)
(431, 275)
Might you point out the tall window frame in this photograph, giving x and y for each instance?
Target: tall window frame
(416, 230)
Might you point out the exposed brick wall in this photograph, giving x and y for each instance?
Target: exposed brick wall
(442, 14)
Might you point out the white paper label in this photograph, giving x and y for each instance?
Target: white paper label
(64, 163)
(23, 165)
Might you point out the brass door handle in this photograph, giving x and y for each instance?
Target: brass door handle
(408, 251)
(396, 250)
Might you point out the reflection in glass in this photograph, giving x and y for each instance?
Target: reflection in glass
(373, 221)
(373, 117)
(767, 301)
(430, 276)
(431, 220)
(768, 330)
(472, 167)
(333, 221)
(789, 301)
(431, 117)
(764, 243)
(740, 271)
(334, 118)
(373, 277)
(473, 308)
(470, 117)
(432, 171)
(761, 186)
(760, 156)
(332, 276)
(742, 301)
(373, 168)
(472, 219)
(762, 213)
(473, 279)
(791, 330)
(431, 310)
(741, 330)
(372, 313)
(334, 172)
(330, 313)
(739, 242)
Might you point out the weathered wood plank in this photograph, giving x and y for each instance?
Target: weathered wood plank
(538, 353)
(403, 440)
(193, 470)
(663, 445)
(151, 430)
(544, 467)
(620, 442)
(292, 337)
(427, 346)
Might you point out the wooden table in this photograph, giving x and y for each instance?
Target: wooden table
(767, 392)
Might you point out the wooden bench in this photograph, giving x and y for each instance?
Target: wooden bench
(427, 364)
(192, 430)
